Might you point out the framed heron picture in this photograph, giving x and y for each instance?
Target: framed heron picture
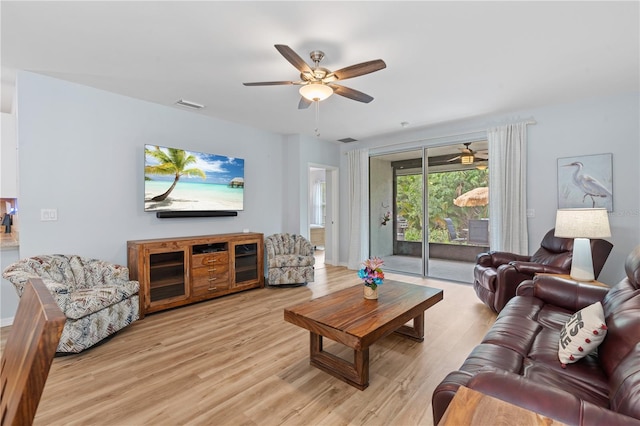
(586, 181)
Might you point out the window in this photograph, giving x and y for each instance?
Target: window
(319, 203)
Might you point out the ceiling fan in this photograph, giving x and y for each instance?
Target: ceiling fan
(468, 155)
(318, 82)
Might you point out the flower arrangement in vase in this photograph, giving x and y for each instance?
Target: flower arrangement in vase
(372, 276)
(386, 218)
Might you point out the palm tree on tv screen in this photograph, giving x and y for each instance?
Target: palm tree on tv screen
(172, 162)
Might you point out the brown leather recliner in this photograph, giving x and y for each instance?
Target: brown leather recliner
(497, 274)
(517, 360)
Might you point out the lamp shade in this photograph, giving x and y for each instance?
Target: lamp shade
(582, 223)
(316, 91)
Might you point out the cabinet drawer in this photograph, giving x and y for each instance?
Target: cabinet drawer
(205, 287)
(206, 282)
(217, 259)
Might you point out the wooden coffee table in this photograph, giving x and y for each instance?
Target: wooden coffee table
(348, 318)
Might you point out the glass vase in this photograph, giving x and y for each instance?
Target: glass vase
(370, 293)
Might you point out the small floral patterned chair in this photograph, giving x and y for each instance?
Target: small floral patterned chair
(97, 297)
(289, 259)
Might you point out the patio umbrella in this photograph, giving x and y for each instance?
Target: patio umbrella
(475, 197)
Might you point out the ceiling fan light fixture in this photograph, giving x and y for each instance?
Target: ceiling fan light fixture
(316, 91)
(466, 159)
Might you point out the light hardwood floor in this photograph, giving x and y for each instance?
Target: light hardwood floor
(235, 361)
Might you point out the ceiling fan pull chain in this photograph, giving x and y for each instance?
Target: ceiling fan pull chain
(317, 129)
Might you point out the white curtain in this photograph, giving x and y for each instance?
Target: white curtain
(508, 188)
(358, 207)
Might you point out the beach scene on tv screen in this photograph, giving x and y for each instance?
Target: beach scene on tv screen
(181, 180)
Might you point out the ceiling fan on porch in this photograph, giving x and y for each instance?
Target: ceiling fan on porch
(318, 83)
(468, 155)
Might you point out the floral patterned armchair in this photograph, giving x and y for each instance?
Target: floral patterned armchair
(289, 259)
(97, 297)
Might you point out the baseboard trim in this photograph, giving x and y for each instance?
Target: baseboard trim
(5, 322)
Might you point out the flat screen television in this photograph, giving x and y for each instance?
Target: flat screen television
(177, 180)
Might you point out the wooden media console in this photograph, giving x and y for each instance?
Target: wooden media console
(178, 271)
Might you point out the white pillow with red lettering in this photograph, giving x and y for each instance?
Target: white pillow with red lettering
(582, 334)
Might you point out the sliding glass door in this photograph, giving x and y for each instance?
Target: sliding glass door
(396, 211)
(429, 211)
(458, 209)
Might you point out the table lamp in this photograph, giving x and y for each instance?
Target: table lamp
(581, 225)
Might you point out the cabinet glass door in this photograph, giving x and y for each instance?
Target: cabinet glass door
(167, 276)
(246, 263)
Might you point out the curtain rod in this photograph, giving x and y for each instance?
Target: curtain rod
(419, 143)
(530, 121)
(475, 133)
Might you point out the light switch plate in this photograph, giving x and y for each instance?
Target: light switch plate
(48, 215)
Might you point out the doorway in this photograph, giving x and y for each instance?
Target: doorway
(323, 213)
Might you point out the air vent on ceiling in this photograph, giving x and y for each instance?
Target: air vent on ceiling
(189, 104)
(347, 140)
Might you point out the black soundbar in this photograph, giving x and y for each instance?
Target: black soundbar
(198, 213)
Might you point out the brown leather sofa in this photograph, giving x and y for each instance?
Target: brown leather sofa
(497, 274)
(517, 361)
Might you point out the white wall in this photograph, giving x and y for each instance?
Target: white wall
(81, 151)
(302, 152)
(594, 126)
(8, 157)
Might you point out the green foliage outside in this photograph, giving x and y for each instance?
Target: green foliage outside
(443, 188)
(409, 205)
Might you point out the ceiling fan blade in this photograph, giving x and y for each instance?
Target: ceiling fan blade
(270, 83)
(454, 158)
(304, 103)
(293, 58)
(360, 69)
(351, 93)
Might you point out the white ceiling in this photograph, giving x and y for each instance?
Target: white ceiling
(445, 60)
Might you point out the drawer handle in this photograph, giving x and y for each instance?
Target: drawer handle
(213, 279)
(212, 288)
(211, 270)
(211, 261)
